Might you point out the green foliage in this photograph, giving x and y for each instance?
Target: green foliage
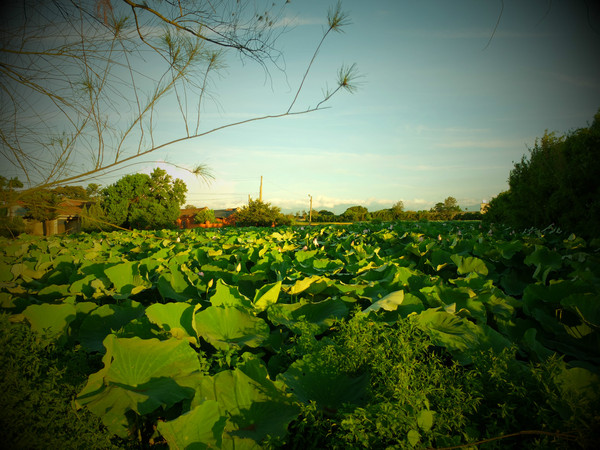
(556, 184)
(446, 210)
(93, 218)
(8, 194)
(41, 204)
(37, 384)
(11, 226)
(92, 190)
(356, 214)
(205, 215)
(260, 214)
(144, 201)
(363, 336)
(398, 209)
(71, 192)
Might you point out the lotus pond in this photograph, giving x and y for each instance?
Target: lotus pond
(363, 336)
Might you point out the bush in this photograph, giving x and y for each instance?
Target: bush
(11, 226)
(205, 215)
(37, 385)
(260, 214)
(94, 219)
(416, 387)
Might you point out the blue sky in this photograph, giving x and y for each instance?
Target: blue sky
(438, 113)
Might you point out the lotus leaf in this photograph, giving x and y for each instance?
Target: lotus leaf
(226, 295)
(545, 261)
(126, 279)
(49, 321)
(255, 409)
(309, 379)
(319, 316)
(175, 285)
(139, 375)
(267, 295)
(176, 318)
(226, 327)
(468, 264)
(105, 319)
(200, 428)
(397, 301)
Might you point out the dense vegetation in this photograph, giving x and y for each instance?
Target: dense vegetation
(557, 184)
(387, 335)
(446, 210)
(260, 214)
(144, 201)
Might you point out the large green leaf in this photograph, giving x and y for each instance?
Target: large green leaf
(226, 327)
(405, 304)
(545, 261)
(50, 322)
(586, 305)
(255, 408)
(139, 375)
(175, 285)
(448, 330)
(176, 318)
(468, 264)
(226, 295)
(311, 380)
(267, 295)
(317, 316)
(106, 319)
(126, 279)
(200, 428)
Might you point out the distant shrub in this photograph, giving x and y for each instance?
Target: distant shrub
(205, 215)
(260, 214)
(11, 226)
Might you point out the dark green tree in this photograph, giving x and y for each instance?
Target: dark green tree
(356, 214)
(446, 210)
(41, 205)
(92, 190)
(144, 201)
(71, 192)
(10, 226)
(8, 194)
(398, 209)
(556, 184)
(205, 215)
(260, 214)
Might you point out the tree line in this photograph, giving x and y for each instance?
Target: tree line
(139, 201)
(557, 183)
(446, 210)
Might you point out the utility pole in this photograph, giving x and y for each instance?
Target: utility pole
(260, 193)
(310, 211)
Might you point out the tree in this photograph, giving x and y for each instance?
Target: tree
(92, 190)
(205, 215)
(556, 184)
(10, 226)
(84, 81)
(356, 214)
(42, 205)
(398, 209)
(446, 210)
(144, 201)
(93, 218)
(8, 194)
(71, 192)
(260, 214)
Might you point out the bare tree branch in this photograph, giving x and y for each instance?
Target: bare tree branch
(83, 81)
